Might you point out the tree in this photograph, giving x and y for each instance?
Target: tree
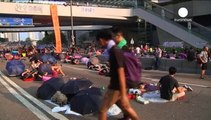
(3, 40)
(28, 39)
(50, 39)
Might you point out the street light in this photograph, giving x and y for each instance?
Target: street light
(71, 17)
(139, 20)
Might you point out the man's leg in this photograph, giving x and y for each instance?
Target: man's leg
(177, 95)
(202, 74)
(110, 98)
(156, 63)
(128, 110)
(203, 68)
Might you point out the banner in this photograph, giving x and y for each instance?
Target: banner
(56, 26)
(16, 21)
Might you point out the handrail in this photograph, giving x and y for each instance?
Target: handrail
(161, 7)
(197, 24)
(172, 13)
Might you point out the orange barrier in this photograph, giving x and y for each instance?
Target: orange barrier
(56, 26)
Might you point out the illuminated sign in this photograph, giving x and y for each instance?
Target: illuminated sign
(15, 21)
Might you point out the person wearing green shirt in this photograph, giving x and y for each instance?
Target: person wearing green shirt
(119, 38)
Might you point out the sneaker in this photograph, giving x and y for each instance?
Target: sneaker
(190, 88)
(185, 86)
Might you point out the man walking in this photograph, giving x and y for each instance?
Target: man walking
(117, 88)
(203, 57)
(122, 44)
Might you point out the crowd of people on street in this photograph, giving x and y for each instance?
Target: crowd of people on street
(125, 71)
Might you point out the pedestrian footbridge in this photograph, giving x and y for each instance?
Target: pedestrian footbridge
(191, 33)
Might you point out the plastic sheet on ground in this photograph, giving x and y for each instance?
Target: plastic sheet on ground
(114, 110)
(65, 108)
(154, 97)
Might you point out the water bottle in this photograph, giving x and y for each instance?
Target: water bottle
(103, 89)
(141, 100)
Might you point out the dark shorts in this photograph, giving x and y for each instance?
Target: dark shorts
(132, 84)
(204, 66)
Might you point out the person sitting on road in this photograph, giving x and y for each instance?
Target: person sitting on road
(56, 70)
(169, 87)
(32, 71)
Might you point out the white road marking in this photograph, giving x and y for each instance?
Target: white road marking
(152, 79)
(81, 69)
(25, 102)
(34, 100)
(184, 83)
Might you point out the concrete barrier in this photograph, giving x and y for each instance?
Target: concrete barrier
(147, 62)
(183, 66)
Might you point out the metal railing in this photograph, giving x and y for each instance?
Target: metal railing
(190, 26)
(100, 3)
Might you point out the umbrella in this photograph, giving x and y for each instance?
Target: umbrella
(48, 58)
(56, 83)
(15, 67)
(45, 92)
(41, 47)
(62, 56)
(45, 68)
(77, 56)
(94, 60)
(49, 88)
(84, 60)
(8, 56)
(85, 103)
(36, 57)
(74, 86)
(92, 90)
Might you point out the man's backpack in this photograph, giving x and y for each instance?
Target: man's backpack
(132, 70)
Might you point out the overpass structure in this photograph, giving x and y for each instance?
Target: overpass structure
(95, 15)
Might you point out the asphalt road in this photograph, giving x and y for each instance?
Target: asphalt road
(14, 100)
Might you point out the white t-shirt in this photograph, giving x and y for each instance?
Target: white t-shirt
(158, 52)
(138, 50)
(204, 56)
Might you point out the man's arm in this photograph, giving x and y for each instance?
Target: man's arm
(179, 89)
(200, 57)
(158, 85)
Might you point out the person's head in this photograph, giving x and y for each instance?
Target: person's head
(205, 48)
(103, 37)
(118, 34)
(172, 70)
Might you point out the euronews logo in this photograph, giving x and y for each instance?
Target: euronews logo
(183, 13)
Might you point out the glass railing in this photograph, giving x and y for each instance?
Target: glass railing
(189, 25)
(95, 3)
